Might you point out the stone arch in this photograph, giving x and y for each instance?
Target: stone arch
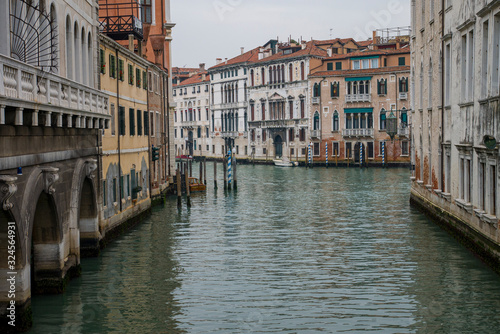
(83, 217)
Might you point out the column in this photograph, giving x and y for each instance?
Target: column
(34, 118)
(48, 119)
(19, 116)
(2, 114)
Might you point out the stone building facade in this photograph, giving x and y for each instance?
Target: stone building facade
(456, 85)
(352, 96)
(192, 116)
(51, 118)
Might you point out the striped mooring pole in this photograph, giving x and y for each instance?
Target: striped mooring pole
(383, 153)
(326, 146)
(229, 169)
(360, 155)
(310, 154)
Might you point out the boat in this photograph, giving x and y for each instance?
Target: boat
(195, 185)
(285, 163)
(180, 158)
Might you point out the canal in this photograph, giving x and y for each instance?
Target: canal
(292, 251)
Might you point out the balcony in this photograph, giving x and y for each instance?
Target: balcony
(358, 98)
(403, 96)
(357, 132)
(404, 131)
(315, 100)
(229, 134)
(27, 87)
(315, 133)
(188, 125)
(118, 20)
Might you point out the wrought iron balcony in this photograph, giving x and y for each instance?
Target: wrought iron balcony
(118, 19)
(357, 132)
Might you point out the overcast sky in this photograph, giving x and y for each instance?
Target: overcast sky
(210, 29)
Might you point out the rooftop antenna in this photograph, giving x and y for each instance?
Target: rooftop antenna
(331, 33)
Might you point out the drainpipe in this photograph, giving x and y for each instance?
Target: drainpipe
(118, 137)
(150, 151)
(442, 98)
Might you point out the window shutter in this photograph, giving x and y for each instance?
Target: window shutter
(138, 77)
(400, 85)
(146, 123)
(378, 87)
(139, 123)
(132, 121)
(120, 70)
(121, 121)
(144, 80)
(103, 61)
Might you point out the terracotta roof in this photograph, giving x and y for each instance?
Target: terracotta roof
(249, 56)
(347, 73)
(365, 43)
(310, 50)
(195, 79)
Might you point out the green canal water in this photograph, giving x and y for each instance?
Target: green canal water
(292, 251)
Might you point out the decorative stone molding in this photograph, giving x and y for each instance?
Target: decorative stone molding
(90, 167)
(7, 189)
(51, 176)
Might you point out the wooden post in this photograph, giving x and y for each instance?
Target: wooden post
(224, 166)
(179, 187)
(336, 159)
(190, 168)
(235, 178)
(201, 171)
(348, 157)
(188, 192)
(205, 171)
(215, 174)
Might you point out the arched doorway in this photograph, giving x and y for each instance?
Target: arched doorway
(45, 250)
(278, 146)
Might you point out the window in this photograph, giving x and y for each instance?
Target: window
(316, 149)
(375, 63)
(467, 66)
(356, 65)
(113, 121)
(199, 132)
(302, 71)
(370, 151)
(302, 134)
(138, 77)
(131, 113)
(130, 74)
(316, 121)
(348, 150)
(334, 89)
(115, 190)
(404, 148)
(264, 135)
(484, 62)
(302, 108)
(382, 119)
(329, 67)
(146, 123)
(175, 92)
(146, 11)
(263, 111)
(338, 65)
(104, 199)
(121, 75)
(139, 123)
(317, 90)
(447, 69)
(335, 125)
(102, 61)
(382, 87)
(404, 117)
(144, 80)
(401, 61)
(112, 66)
(493, 190)
(335, 149)
(121, 121)
(403, 85)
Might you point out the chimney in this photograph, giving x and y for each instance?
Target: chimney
(218, 61)
(131, 43)
(226, 60)
(329, 50)
(242, 50)
(202, 67)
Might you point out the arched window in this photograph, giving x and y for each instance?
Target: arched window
(252, 112)
(316, 121)
(78, 53)
(236, 90)
(370, 121)
(382, 119)
(263, 76)
(69, 49)
(404, 117)
(252, 80)
(317, 90)
(245, 92)
(213, 95)
(253, 135)
(245, 120)
(84, 49)
(282, 73)
(271, 78)
(302, 71)
(213, 122)
(335, 125)
(90, 61)
(236, 128)
(290, 70)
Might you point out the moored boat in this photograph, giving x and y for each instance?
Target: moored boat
(195, 185)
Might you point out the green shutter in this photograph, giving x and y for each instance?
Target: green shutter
(338, 66)
(121, 187)
(331, 90)
(130, 74)
(329, 67)
(146, 123)
(138, 77)
(378, 87)
(104, 200)
(121, 121)
(144, 80)
(132, 121)
(139, 123)
(402, 61)
(102, 61)
(121, 75)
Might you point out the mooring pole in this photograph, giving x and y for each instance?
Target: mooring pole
(235, 177)
(179, 187)
(201, 172)
(191, 168)
(188, 192)
(229, 170)
(205, 171)
(215, 174)
(224, 166)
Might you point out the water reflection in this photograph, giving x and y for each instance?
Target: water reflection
(292, 251)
